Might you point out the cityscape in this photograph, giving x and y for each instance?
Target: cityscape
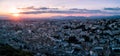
(59, 28)
(67, 37)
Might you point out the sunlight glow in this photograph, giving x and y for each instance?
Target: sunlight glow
(15, 12)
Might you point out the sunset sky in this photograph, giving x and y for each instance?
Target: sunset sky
(48, 8)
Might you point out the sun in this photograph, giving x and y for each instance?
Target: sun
(16, 15)
(15, 12)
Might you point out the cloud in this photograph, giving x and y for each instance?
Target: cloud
(41, 10)
(114, 9)
(77, 9)
(27, 8)
(44, 8)
(56, 10)
(38, 8)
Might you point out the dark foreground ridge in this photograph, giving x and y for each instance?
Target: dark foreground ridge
(6, 50)
(74, 37)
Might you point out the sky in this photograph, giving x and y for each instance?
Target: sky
(49, 8)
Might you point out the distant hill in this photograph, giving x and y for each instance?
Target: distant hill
(68, 17)
(83, 17)
(105, 17)
(3, 17)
